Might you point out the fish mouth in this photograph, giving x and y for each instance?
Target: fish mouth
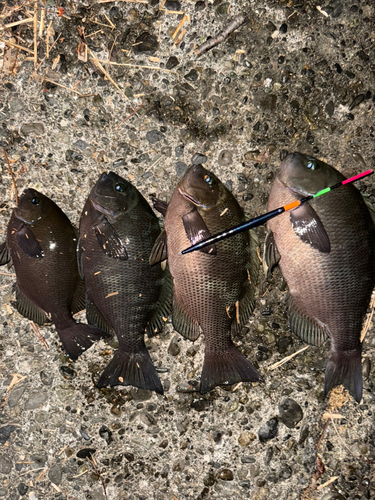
(192, 200)
(17, 213)
(104, 211)
(299, 192)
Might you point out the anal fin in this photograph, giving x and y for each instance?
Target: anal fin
(304, 327)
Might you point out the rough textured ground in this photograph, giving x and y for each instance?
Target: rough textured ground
(297, 76)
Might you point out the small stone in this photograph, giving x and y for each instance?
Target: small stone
(290, 413)
(32, 128)
(268, 430)
(5, 433)
(283, 344)
(55, 474)
(223, 9)
(146, 44)
(174, 347)
(198, 159)
(106, 434)
(65, 393)
(6, 464)
(200, 5)
(266, 102)
(216, 436)
(82, 145)
(192, 76)
(15, 395)
(86, 452)
(22, 489)
(246, 459)
(172, 62)
(16, 105)
(181, 168)
(179, 150)
(46, 378)
(36, 398)
(172, 5)
(154, 136)
(225, 158)
(246, 438)
(283, 28)
(226, 475)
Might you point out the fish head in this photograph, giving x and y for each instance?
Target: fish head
(201, 187)
(113, 195)
(32, 206)
(305, 175)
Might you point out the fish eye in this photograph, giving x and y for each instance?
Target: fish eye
(209, 180)
(311, 165)
(35, 200)
(120, 187)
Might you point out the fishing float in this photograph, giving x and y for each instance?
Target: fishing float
(261, 219)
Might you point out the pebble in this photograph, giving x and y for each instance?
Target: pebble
(172, 63)
(283, 344)
(181, 168)
(200, 5)
(22, 489)
(266, 102)
(36, 398)
(154, 136)
(246, 438)
(199, 159)
(5, 433)
(16, 105)
(82, 145)
(6, 464)
(55, 474)
(192, 76)
(15, 395)
(268, 430)
(226, 475)
(146, 44)
(174, 346)
(106, 434)
(225, 158)
(172, 5)
(32, 128)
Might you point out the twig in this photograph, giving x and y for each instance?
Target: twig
(180, 37)
(23, 21)
(222, 36)
(48, 50)
(92, 462)
(35, 34)
(37, 332)
(12, 176)
(62, 86)
(182, 22)
(288, 358)
(131, 114)
(11, 44)
(99, 66)
(332, 480)
(137, 65)
(129, 1)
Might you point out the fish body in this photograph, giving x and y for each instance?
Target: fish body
(124, 294)
(326, 252)
(213, 289)
(42, 245)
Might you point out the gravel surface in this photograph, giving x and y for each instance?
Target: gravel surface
(296, 76)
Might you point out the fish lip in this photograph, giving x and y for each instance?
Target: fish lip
(298, 192)
(191, 199)
(103, 210)
(16, 211)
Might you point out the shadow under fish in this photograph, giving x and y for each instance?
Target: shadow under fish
(41, 243)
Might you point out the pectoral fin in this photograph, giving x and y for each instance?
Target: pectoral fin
(28, 243)
(5, 257)
(159, 205)
(109, 240)
(271, 255)
(159, 250)
(309, 228)
(196, 230)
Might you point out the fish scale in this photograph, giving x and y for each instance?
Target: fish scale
(329, 292)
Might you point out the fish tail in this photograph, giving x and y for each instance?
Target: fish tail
(78, 337)
(134, 369)
(226, 368)
(344, 367)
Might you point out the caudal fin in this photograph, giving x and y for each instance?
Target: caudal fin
(226, 368)
(131, 369)
(79, 337)
(344, 367)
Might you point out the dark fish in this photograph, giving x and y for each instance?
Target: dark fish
(117, 231)
(213, 289)
(42, 244)
(326, 252)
